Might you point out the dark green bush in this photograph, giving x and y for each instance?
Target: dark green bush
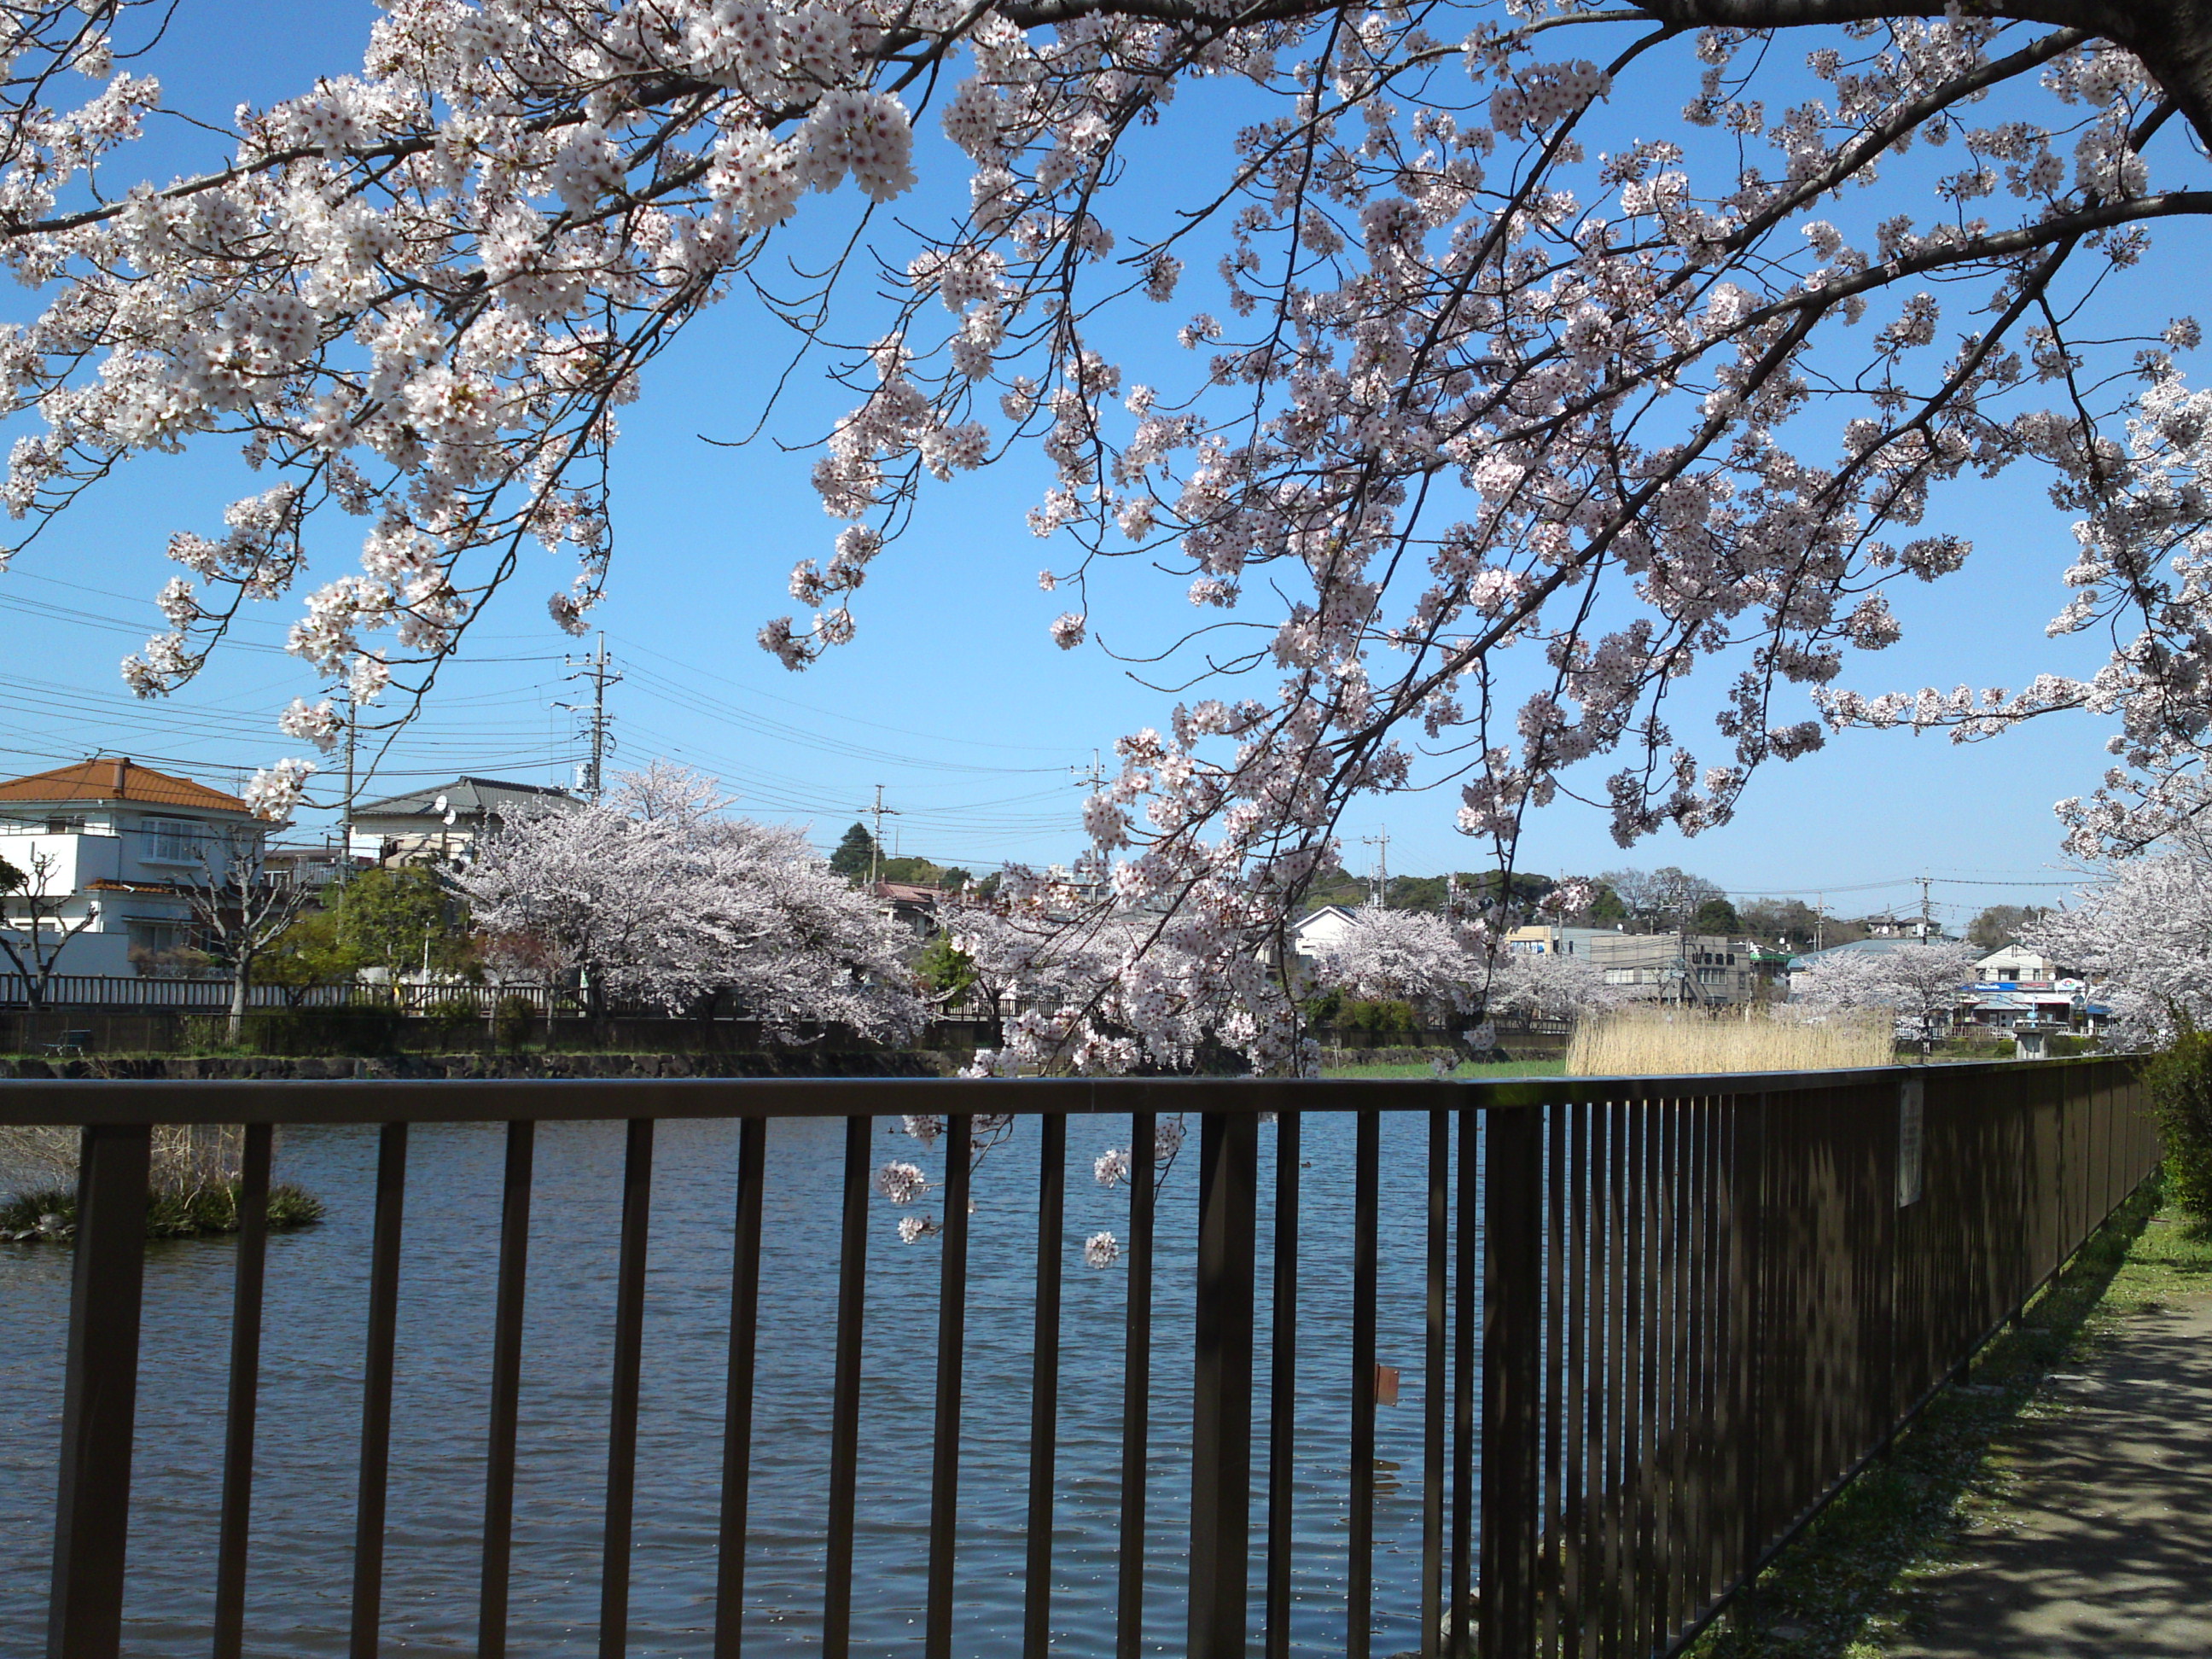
(168, 1214)
(324, 1031)
(513, 1021)
(1381, 1018)
(2180, 1082)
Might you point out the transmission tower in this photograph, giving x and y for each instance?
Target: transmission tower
(594, 668)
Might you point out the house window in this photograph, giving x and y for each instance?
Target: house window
(174, 840)
(1621, 976)
(65, 826)
(163, 949)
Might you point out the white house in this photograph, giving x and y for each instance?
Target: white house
(120, 844)
(2016, 986)
(1321, 929)
(440, 823)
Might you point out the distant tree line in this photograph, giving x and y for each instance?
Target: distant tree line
(859, 853)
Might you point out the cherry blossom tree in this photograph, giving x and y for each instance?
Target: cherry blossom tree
(1551, 985)
(2143, 939)
(1540, 354)
(1919, 983)
(654, 893)
(1117, 987)
(1407, 956)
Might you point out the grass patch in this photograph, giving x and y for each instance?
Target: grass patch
(1847, 1587)
(1468, 1072)
(209, 1209)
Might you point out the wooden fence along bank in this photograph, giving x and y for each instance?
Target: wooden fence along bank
(1666, 1319)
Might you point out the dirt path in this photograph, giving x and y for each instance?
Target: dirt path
(2106, 1547)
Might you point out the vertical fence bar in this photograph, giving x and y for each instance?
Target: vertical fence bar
(506, 1391)
(1575, 1265)
(1283, 1386)
(1136, 1389)
(621, 1415)
(1612, 1472)
(1553, 1244)
(1432, 1393)
(738, 1403)
(1666, 1405)
(250, 1273)
(1512, 1331)
(1642, 1319)
(99, 1393)
(1221, 1427)
(951, 1343)
(376, 1391)
(845, 1400)
(1360, 1572)
(1697, 1481)
(1044, 1385)
(1464, 1380)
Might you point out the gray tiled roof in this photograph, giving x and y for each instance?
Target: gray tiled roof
(470, 800)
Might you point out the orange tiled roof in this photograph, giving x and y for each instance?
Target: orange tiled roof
(114, 778)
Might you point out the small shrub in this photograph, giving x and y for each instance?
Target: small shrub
(2180, 1082)
(512, 1021)
(50, 1212)
(360, 1031)
(1378, 1018)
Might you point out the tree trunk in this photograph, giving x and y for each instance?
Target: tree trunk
(236, 1033)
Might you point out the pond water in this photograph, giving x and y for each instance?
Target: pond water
(304, 1491)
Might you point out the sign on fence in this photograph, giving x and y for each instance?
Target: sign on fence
(1910, 1096)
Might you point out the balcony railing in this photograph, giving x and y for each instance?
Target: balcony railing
(1661, 1322)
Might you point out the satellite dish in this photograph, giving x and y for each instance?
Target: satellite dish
(439, 805)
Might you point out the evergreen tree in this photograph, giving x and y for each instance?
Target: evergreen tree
(1715, 915)
(855, 853)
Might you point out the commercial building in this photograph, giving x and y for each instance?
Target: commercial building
(1693, 968)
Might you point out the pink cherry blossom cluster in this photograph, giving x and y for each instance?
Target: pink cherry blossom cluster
(2141, 936)
(655, 893)
(1502, 415)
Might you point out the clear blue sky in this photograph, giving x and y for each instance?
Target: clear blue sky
(952, 697)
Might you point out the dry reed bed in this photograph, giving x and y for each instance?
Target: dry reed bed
(1670, 1043)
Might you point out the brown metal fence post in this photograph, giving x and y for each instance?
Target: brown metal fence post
(1221, 1427)
(1511, 1335)
(99, 1397)
(245, 1391)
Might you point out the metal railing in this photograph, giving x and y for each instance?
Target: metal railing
(1664, 1320)
(152, 993)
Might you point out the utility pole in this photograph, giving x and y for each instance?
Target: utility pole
(1378, 885)
(1091, 868)
(1820, 922)
(594, 668)
(1926, 919)
(345, 829)
(879, 812)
